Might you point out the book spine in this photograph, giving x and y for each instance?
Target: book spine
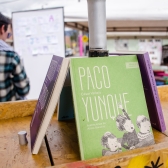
(155, 92)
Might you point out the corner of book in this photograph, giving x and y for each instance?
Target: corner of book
(33, 150)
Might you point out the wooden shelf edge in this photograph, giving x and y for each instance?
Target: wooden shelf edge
(125, 159)
(17, 109)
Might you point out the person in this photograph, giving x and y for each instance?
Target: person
(110, 142)
(14, 83)
(144, 126)
(124, 123)
(87, 50)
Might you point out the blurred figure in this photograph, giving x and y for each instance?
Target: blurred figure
(14, 84)
(165, 61)
(87, 50)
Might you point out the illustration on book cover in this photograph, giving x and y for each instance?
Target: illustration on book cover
(131, 139)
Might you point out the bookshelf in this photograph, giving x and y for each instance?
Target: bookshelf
(62, 138)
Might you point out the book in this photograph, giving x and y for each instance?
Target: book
(47, 100)
(159, 83)
(161, 74)
(109, 104)
(65, 108)
(158, 78)
(150, 89)
(158, 71)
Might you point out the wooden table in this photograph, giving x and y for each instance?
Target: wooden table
(14, 117)
(63, 142)
(12, 155)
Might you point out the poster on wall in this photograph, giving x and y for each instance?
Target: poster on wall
(153, 47)
(38, 35)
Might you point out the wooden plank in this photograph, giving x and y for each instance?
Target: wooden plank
(138, 158)
(163, 93)
(17, 109)
(12, 155)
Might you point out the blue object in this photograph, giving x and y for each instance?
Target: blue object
(65, 108)
(158, 83)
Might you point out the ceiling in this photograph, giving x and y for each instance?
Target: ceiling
(77, 9)
(122, 15)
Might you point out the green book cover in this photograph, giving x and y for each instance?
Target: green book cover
(110, 106)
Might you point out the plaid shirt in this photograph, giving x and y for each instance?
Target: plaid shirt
(14, 83)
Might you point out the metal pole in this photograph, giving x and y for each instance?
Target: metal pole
(97, 28)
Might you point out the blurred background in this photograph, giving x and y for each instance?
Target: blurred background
(131, 26)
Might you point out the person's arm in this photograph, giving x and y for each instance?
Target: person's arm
(20, 79)
(125, 113)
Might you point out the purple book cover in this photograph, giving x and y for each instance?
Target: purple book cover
(150, 90)
(44, 98)
(152, 101)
